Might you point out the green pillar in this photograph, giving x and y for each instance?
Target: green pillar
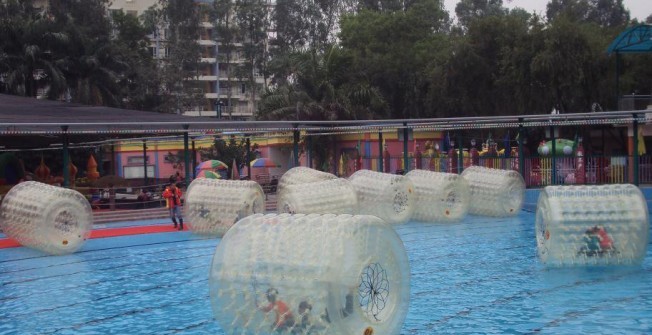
(194, 159)
(553, 154)
(406, 162)
(66, 157)
(295, 149)
(309, 150)
(248, 144)
(521, 159)
(113, 158)
(145, 181)
(100, 160)
(635, 151)
(186, 156)
(380, 152)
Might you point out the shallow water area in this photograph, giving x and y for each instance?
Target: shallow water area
(478, 276)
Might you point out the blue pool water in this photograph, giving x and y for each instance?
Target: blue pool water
(479, 276)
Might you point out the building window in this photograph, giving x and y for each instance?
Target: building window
(243, 88)
(136, 160)
(132, 12)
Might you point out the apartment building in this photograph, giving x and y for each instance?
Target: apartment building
(213, 69)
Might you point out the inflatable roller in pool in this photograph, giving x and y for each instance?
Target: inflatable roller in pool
(212, 206)
(494, 192)
(333, 196)
(52, 219)
(310, 274)
(302, 175)
(592, 225)
(387, 196)
(439, 197)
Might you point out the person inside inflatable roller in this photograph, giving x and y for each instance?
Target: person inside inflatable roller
(597, 242)
(307, 323)
(284, 318)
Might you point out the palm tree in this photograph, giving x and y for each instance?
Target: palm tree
(29, 51)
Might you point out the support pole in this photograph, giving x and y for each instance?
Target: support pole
(296, 146)
(460, 155)
(635, 151)
(186, 156)
(248, 148)
(113, 158)
(406, 161)
(309, 150)
(194, 159)
(553, 165)
(617, 80)
(521, 159)
(380, 151)
(145, 181)
(66, 157)
(100, 160)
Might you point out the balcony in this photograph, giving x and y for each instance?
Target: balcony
(209, 60)
(206, 42)
(207, 78)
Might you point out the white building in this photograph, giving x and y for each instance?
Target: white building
(213, 67)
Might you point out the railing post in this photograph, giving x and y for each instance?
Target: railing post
(295, 149)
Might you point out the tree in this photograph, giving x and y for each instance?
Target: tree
(252, 21)
(606, 13)
(138, 83)
(469, 10)
(30, 51)
(179, 21)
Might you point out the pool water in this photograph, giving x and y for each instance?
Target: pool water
(478, 276)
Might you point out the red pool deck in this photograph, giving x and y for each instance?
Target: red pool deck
(107, 232)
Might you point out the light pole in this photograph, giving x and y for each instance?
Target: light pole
(218, 109)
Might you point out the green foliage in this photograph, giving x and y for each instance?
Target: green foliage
(228, 148)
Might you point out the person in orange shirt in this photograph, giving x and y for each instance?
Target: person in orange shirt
(284, 318)
(172, 195)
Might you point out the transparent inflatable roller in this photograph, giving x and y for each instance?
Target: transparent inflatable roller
(310, 274)
(439, 197)
(333, 196)
(592, 225)
(494, 192)
(212, 206)
(387, 196)
(302, 175)
(52, 219)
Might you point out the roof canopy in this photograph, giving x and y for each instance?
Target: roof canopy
(637, 39)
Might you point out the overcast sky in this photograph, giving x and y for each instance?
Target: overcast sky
(639, 9)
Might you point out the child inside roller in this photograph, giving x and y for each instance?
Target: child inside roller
(597, 242)
(284, 318)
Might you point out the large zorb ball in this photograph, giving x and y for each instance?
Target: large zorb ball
(332, 196)
(52, 219)
(592, 225)
(310, 274)
(302, 175)
(494, 192)
(212, 206)
(440, 197)
(387, 196)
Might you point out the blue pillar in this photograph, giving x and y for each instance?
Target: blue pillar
(380, 152)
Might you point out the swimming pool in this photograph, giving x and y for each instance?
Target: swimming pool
(478, 276)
